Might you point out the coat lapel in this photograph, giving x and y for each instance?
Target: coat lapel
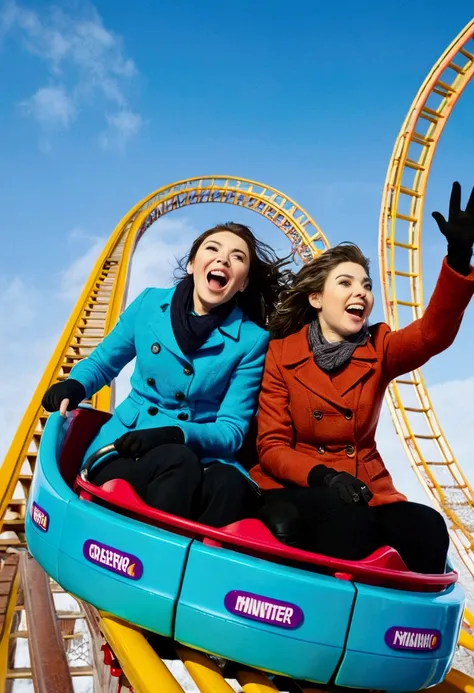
(298, 355)
(361, 364)
(160, 323)
(230, 328)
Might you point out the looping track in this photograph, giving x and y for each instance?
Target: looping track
(401, 276)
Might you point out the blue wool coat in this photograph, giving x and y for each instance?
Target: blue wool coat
(211, 395)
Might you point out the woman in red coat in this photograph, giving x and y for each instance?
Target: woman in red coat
(325, 377)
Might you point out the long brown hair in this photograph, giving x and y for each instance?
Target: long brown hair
(266, 278)
(294, 310)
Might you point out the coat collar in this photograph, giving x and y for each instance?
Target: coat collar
(297, 354)
(161, 314)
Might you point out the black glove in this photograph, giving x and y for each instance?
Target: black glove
(350, 489)
(69, 389)
(137, 443)
(458, 230)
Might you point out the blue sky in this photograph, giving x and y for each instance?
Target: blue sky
(103, 103)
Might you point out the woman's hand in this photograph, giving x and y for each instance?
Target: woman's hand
(349, 488)
(458, 231)
(137, 443)
(64, 396)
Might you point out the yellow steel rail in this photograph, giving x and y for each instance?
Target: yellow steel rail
(95, 313)
(401, 275)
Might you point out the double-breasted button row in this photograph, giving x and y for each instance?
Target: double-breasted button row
(349, 450)
(318, 415)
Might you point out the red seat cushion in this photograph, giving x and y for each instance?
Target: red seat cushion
(383, 567)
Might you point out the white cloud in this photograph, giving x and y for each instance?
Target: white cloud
(73, 278)
(51, 106)
(122, 127)
(86, 63)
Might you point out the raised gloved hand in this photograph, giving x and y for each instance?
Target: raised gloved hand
(458, 230)
(137, 443)
(64, 396)
(350, 489)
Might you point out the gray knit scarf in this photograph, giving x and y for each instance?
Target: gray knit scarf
(332, 355)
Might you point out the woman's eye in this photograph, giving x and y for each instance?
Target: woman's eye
(368, 287)
(238, 257)
(345, 282)
(211, 247)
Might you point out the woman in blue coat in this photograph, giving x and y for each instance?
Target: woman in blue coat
(200, 350)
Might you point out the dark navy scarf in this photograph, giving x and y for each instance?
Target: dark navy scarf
(191, 330)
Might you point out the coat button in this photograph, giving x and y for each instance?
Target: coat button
(180, 396)
(151, 381)
(321, 449)
(182, 416)
(350, 450)
(348, 414)
(187, 370)
(318, 415)
(153, 411)
(155, 348)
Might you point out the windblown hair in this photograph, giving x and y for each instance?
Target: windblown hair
(293, 309)
(266, 277)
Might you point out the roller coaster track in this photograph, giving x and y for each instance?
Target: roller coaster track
(401, 275)
(95, 313)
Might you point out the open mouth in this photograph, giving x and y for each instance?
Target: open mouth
(356, 311)
(217, 280)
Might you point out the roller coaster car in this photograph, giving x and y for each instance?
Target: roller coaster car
(236, 592)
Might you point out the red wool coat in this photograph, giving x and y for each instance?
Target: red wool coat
(308, 417)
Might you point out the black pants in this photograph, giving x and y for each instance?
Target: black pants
(171, 478)
(325, 524)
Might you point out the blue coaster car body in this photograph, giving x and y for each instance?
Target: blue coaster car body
(236, 592)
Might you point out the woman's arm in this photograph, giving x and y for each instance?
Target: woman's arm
(112, 354)
(414, 345)
(224, 436)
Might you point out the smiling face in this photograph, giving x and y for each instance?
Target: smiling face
(220, 269)
(345, 303)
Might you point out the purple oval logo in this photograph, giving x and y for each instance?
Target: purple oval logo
(414, 639)
(120, 562)
(40, 517)
(264, 609)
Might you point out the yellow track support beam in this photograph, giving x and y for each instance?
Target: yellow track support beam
(5, 634)
(255, 682)
(459, 681)
(140, 663)
(203, 671)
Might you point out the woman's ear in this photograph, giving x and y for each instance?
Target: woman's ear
(244, 285)
(190, 268)
(315, 300)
